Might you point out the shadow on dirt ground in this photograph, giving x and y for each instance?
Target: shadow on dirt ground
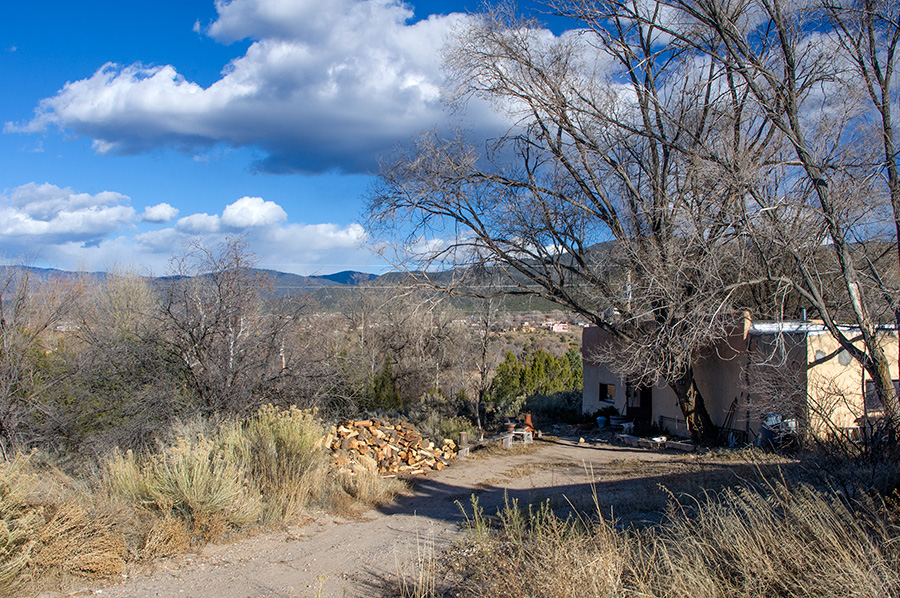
(632, 489)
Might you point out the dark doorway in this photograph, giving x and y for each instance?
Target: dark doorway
(639, 406)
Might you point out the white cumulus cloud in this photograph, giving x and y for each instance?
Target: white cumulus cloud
(34, 214)
(325, 85)
(196, 224)
(312, 248)
(252, 211)
(306, 237)
(276, 242)
(70, 230)
(161, 212)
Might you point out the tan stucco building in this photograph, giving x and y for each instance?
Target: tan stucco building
(794, 370)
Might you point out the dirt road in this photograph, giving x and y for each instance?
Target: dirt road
(332, 557)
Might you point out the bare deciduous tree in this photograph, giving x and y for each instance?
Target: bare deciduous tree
(29, 315)
(599, 197)
(716, 144)
(127, 382)
(214, 312)
(818, 72)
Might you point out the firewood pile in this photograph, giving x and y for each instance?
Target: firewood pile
(387, 448)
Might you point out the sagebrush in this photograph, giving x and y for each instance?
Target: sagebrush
(206, 482)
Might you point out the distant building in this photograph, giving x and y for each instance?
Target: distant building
(775, 371)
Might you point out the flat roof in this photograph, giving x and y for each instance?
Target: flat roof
(808, 328)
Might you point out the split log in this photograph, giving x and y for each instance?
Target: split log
(388, 448)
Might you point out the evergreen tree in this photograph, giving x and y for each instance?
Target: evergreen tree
(537, 373)
(508, 381)
(576, 366)
(385, 394)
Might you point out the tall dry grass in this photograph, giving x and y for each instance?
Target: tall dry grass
(280, 454)
(779, 542)
(50, 530)
(198, 487)
(262, 470)
(533, 552)
(350, 493)
(19, 527)
(194, 480)
(741, 543)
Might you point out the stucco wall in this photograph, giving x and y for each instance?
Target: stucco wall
(596, 374)
(720, 378)
(719, 374)
(665, 405)
(833, 385)
(836, 382)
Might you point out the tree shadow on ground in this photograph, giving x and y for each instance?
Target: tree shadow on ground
(629, 491)
(630, 495)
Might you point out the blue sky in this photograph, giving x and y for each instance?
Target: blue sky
(132, 128)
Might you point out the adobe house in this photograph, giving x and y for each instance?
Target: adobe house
(794, 370)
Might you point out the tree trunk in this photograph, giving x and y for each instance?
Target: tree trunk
(878, 368)
(693, 407)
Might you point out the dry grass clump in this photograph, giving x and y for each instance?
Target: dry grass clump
(194, 479)
(363, 489)
(195, 489)
(19, 524)
(532, 552)
(168, 535)
(280, 453)
(741, 543)
(76, 541)
(746, 454)
(783, 542)
(262, 470)
(50, 531)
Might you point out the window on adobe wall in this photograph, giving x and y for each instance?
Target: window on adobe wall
(871, 397)
(608, 393)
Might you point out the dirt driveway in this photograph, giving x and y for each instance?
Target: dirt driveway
(333, 557)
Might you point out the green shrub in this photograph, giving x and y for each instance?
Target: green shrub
(562, 407)
(451, 427)
(537, 372)
(437, 416)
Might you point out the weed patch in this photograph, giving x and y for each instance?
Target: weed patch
(50, 531)
(742, 542)
(280, 453)
(195, 489)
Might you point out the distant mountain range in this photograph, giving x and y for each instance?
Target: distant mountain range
(327, 291)
(281, 282)
(41, 275)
